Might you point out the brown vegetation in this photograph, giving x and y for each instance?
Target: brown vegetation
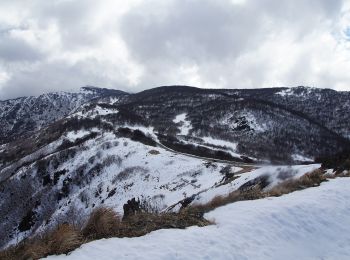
(218, 201)
(257, 191)
(312, 179)
(62, 240)
(154, 152)
(102, 223)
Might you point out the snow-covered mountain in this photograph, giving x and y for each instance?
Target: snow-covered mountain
(161, 145)
(326, 107)
(276, 124)
(22, 116)
(260, 123)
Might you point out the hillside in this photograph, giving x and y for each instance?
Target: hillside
(163, 146)
(22, 116)
(289, 227)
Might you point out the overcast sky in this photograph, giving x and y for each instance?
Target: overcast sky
(134, 45)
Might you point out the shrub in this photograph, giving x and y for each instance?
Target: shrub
(154, 152)
(312, 179)
(129, 172)
(64, 239)
(254, 189)
(143, 223)
(112, 159)
(135, 135)
(252, 193)
(103, 222)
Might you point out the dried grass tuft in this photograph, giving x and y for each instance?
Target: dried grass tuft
(102, 223)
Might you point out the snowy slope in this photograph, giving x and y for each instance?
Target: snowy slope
(308, 224)
(23, 115)
(108, 170)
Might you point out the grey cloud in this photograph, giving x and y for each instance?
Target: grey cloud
(190, 30)
(207, 30)
(56, 76)
(222, 42)
(213, 35)
(74, 20)
(17, 50)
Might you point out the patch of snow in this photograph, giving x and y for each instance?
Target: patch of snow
(72, 136)
(105, 111)
(285, 92)
(234, 120)
(309, 224)
(210, 146)
(147, 130)
(185, 125)
(253, 123)
(213, 96)
(217, 142)
(92, 113)
(330, 172)
(113, 100)
(305, 91)
(301, 158)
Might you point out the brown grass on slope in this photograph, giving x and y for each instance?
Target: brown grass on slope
(62, 240)
(311, 179)
(102, 223)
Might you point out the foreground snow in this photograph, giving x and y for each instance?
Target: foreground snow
(308, 224)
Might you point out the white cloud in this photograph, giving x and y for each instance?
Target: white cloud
(133, 45)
